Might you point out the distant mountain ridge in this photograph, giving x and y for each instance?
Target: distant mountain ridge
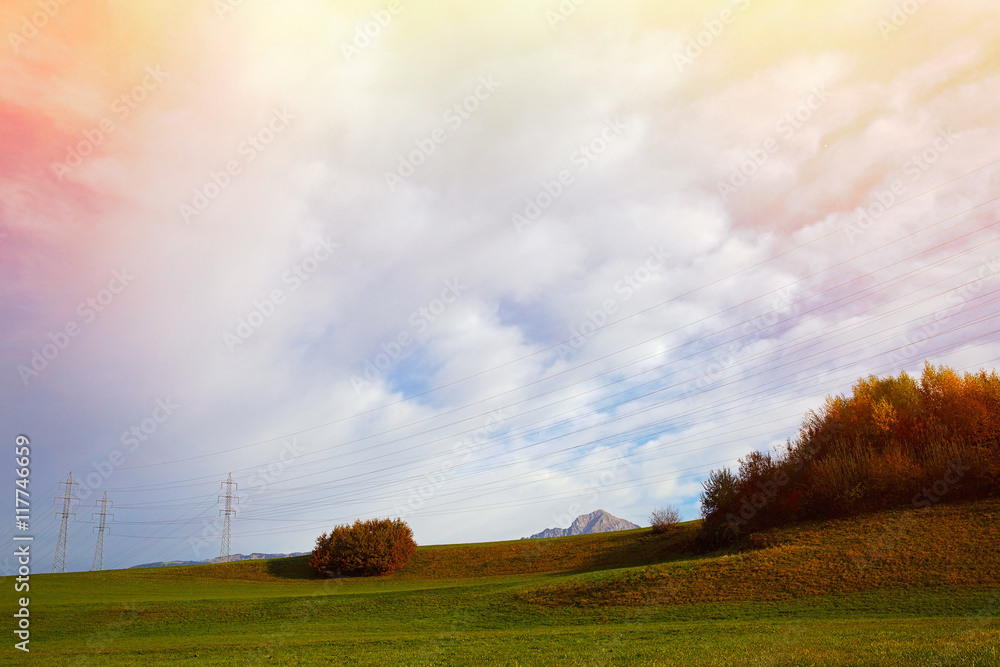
(234, 557)
(585, 524)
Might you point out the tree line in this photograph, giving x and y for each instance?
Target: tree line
(893, 441)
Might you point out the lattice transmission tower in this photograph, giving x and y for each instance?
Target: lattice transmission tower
(228, 513)
(59, 562)
(99, 552)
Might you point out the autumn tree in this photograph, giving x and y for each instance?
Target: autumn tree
(367, 548)
(891, 442)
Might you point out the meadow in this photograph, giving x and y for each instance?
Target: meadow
(899, 587)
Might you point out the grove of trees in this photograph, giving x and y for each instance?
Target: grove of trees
(893, 441)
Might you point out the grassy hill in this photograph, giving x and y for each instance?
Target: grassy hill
(910, 587)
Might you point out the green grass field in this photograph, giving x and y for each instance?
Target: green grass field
(895, 588)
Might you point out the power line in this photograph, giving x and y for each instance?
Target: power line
(823, 307)
(613, 323)
(643, 481)
(708, 407)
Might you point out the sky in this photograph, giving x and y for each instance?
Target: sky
(480, 266)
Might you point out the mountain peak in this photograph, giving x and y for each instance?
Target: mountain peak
(234, 557)
(585, 524)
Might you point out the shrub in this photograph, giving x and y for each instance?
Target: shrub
(665, 519)
(374, 547)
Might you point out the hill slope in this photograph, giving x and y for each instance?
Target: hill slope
(943, 545)
(906, 585)
(951, 545)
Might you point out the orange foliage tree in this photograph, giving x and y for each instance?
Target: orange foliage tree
(374, 547)
(894, 440)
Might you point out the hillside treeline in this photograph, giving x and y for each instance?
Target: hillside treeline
(893, 441)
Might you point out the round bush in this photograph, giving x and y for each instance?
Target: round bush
(367, 548)
(665, 519)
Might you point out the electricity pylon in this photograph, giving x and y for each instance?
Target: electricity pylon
(228, 513)
(99, 553)
(59, 562)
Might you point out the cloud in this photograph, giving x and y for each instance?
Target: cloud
(639, 313)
